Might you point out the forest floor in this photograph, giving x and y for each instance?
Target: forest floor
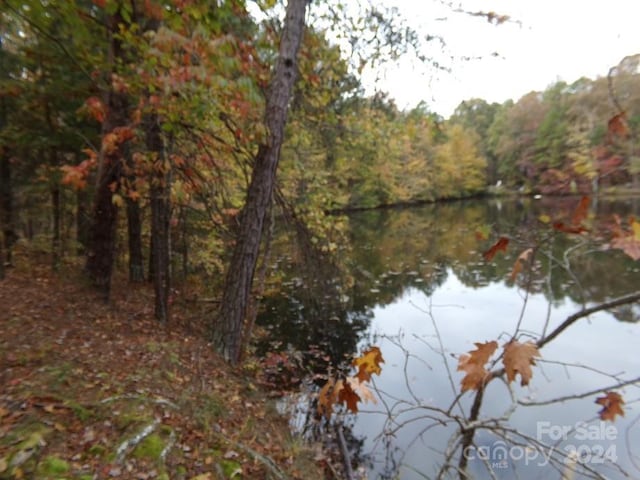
(96, 391)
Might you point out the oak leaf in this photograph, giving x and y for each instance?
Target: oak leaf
(368, 363)
(581, 211)
(347, 396)
(328, 396)
(501, 244)
(579, 215)
(473, 364)
(520, 261)
(518, 358)
(361, 390)
(611, 406)
(628, 241)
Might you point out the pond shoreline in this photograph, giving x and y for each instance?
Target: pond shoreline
(493, 193)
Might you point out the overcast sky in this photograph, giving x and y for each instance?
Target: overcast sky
(546, 40)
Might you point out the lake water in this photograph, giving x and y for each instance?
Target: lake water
(414, 283)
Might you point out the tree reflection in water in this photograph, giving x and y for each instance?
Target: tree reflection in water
(327, 307)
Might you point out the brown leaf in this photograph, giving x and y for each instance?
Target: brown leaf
(520, 261)
(348, 396)
(518, 358)
(328, 396)
(629, 241)
(368, 363)
(501, 244)
(611, 406)
(473, 364)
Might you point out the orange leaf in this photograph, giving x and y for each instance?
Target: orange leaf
(328, 396)
(473, 364)
(576, 229)
(617, 126)
(501, 244)
(611, 406)
(368, 363)
(96, 108)
(518, 358)
(517, 267)
(581, 211)
(579, 215)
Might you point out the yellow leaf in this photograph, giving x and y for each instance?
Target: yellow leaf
(368, 363)
(117, 200)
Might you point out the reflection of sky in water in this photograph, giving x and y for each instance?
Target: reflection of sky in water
(463, 316)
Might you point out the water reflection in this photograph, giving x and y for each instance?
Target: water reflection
(414, 282)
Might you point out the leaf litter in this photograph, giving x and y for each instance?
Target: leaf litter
(96, 391)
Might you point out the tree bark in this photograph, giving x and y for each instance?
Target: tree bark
(134, 230)
(160, 218)
(83, 220)
(229, 325)
(9, 237)
(102, 238)
(134, 226)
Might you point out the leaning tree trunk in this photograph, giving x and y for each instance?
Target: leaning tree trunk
(229, 324)
(102, 237)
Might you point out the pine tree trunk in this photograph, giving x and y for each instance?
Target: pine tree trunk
(160, 217)
(229, 325)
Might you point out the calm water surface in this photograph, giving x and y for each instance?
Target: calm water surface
(414, 283)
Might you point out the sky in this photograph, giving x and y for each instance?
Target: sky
(545, 41)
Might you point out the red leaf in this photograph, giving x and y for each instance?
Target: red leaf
(581, 211)
(501, 244)
(575, 229)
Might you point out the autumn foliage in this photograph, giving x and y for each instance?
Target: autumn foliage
(351, 390)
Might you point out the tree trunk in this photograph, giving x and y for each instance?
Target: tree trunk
(134, 230)
(83, 220)
(134, 227)
(160, 216)
(9, 236)
(56, 242)
(102, 238)
(229, 324)
(56, 209)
